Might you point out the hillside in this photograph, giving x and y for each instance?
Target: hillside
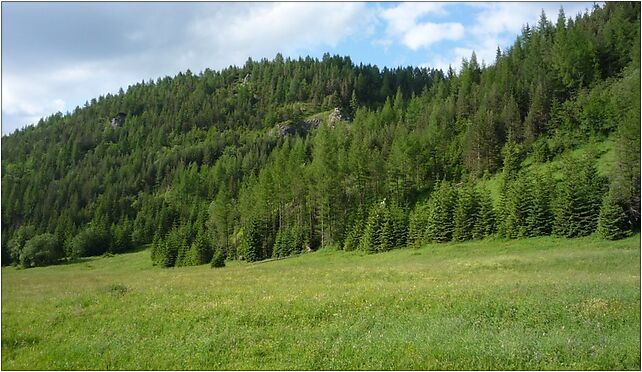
(541, 303)
(278, 157)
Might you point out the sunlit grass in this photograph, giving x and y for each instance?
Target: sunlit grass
(541, 303)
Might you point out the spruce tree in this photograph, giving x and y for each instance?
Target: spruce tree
(253, 242)
(371, 239)
(417, 224)
(440, 217)
(485, 219)
(613, 222)
(517, 207)
(351, 242)
(200, 251)
(218, 259)
(540, 219)
(466, 208)
(579, 198)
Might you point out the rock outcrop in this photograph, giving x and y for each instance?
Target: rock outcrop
(118, 120)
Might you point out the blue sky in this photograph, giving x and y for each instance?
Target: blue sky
(56, 56)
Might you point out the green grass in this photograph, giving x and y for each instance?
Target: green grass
(542, 303)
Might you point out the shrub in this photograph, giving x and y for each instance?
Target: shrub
(92, 241)
(41, 250)
(17, 242)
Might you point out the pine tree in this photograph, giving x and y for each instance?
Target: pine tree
(579, 198)
(613, 222)
(398, 218)
(517, 208)
(253, 241)
(440, 217)
(485, 220)
(540, 219)
(200, 251)
(466, 208)
(218, 259)
(417, 226)
(351, 241)
(371, 239)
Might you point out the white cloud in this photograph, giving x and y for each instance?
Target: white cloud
(426, 34)
(403, 25)
(404, 17)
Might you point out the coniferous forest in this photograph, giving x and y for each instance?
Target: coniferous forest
(279, 157)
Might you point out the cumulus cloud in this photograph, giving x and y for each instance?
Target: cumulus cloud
(404, 25)
(426, 34)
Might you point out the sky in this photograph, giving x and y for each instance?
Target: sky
(57, 56)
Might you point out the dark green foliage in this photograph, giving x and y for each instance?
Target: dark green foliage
(218, 259)
(440, 224)
(540, 218)
(253, 241)
(612, 223)
(518, 204)
(41, 250)
(168, 250)
(122, 240)
(92, 241)
(466, 210)
(485, 219)
(394, 233)
(386, 228)
(527, 209)
(200, 250)
(579, 198)
(371, 239)
(625, 177)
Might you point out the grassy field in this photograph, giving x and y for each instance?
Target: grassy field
(541, 303)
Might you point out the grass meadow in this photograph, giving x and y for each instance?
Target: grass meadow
(542, 303)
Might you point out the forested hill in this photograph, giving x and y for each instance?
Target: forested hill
(277, 157)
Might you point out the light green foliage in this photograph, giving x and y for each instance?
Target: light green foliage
(418, 224)
(18, 240)
(484, 305)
